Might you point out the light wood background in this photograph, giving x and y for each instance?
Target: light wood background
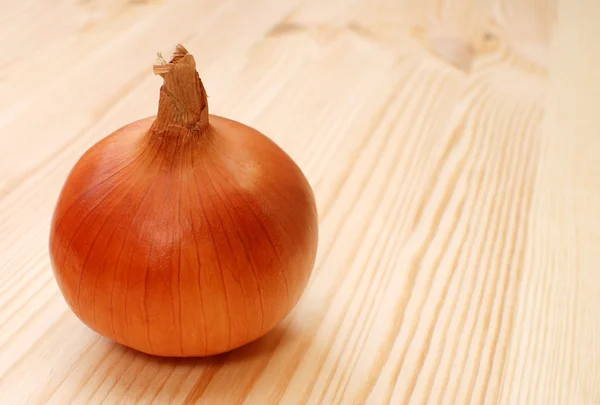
(454, 149)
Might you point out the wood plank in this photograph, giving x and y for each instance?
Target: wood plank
(453, 149)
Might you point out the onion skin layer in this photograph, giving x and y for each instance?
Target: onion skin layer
(184, 242)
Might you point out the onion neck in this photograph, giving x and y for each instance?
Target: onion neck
(183, 102)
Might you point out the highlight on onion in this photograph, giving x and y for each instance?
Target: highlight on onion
(184, 234)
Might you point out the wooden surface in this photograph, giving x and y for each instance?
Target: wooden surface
(454, 149)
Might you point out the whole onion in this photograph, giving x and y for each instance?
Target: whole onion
(184, 234)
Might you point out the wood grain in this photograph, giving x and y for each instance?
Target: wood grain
(453, 149)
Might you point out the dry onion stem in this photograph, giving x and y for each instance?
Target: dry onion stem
(184, 234)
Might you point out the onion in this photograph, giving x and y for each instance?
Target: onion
(184, 234)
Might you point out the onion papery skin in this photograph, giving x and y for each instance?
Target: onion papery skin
(186, 242)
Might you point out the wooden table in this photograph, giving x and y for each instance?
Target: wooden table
(454, 149)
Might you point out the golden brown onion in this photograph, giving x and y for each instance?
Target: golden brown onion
(184, 234)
